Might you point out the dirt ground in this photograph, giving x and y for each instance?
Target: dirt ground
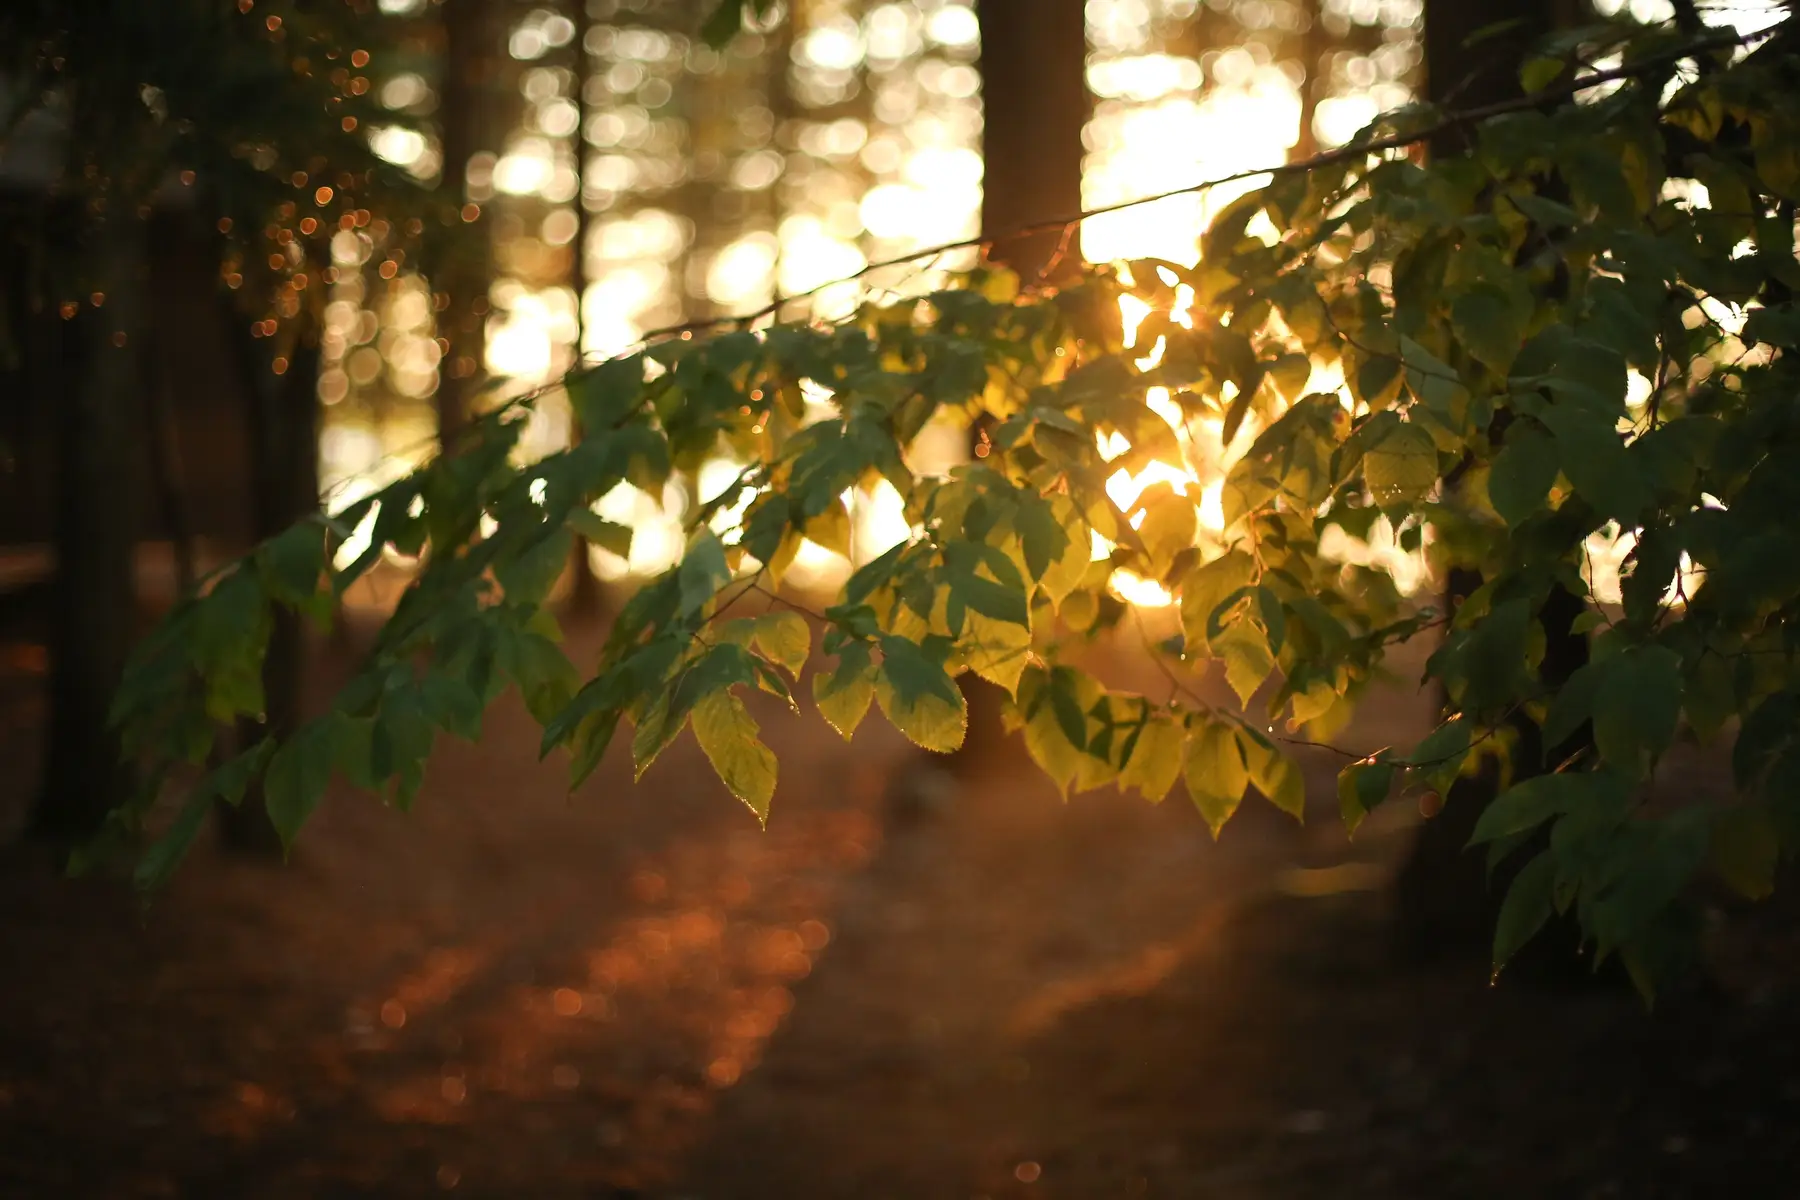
(898, 990)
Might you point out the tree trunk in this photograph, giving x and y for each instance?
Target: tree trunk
(284, 488)
(165, 474)
(460, 265)
(91, 624)
(1445, 901)
(1313, 44)
(1035, 105)
(584, 600)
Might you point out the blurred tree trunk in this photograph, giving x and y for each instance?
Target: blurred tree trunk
(165, 473)
(584, 601)
(93, 614)
(284, 488)
(1445, 902)
(1313, 85)
(1035, 105)
(461, 262)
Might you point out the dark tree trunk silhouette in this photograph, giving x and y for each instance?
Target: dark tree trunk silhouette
(284, 488)
(1035, 105)
(1313, 44)
(461, 260)
(93, 611)
(165, 474)
(585, 601)
(1445, 901)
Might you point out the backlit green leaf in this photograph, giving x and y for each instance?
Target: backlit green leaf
(1526, 907)
(843, 693)
(919, 697)
(785, 638)
(1155, 760)
(1403, 467)
(1215, 773)
(728, 735)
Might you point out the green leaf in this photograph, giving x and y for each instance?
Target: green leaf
(1636, 707)
(1041, 535)
(227, 783)
(1209, 587)
(1402, 468)
(989, 598)
(1361, 787)
(919, 697)
(527, 576)
(1155, 759)
(728, 734)
(1522, 473)
(1527, 906)
(1573, 704)
(1438, 388)
(1745, 850)
(721, 666)
(609, 536)
(702, 573)
(1045, 740)
(1596, 461)
(786, 639)
(1248, 661)
(1066, 707)
(1215, 772)
(1169, 525)
(843, 694)
(293, 563)
(1438, 758)
(1277, 777)
(1527, 805)
(1487, 323)
(998, 651)
(165, 854)
(1538, 74)
(602, 395)
(297, 776)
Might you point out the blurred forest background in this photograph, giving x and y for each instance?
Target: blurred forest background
(349, 225)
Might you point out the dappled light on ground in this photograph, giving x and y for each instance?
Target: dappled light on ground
(504, 993)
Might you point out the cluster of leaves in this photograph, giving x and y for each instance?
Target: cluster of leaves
(1486, 313)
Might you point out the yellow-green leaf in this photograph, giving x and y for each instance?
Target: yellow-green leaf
(843, 694)
(1402, 467)
(727, 733)
(1045, 738)
(654, 733)
(1209, 586)
(998, 651)
(1215, 773)
(1169, 525)
(785, 638)
(1155, 760)
(831, 529)
(1067, 570)
(1277, 777)
(1245, 651)
(1539, 73)
(926, 707)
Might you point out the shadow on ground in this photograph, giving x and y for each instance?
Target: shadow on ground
(634, 991)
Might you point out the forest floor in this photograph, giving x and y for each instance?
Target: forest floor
(511, 992)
